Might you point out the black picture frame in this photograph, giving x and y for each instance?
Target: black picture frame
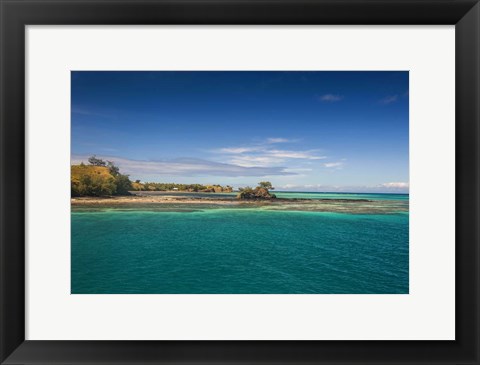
(16, 14)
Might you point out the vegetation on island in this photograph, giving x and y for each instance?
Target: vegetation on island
(151, 186)
(261, 192)
(99, 178)
(103, 178)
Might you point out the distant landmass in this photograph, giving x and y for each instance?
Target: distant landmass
(101, 178)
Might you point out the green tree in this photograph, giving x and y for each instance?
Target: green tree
(100, 178)
(123, 184)
(91, 181)
(114, 170)
(266, 185)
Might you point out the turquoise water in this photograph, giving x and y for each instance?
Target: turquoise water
(300, 195)
(290, 195)
(229, 250)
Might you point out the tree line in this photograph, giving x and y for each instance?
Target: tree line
(98, 178)
(152, 186)
(103, 178)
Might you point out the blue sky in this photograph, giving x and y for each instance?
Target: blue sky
(306, 131)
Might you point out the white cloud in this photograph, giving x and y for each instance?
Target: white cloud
(272, 158)
(279, 140)
(298, 170)
(395, 185)
(251, 161)
(333, 164)
(235, 150)
(186, 167)
(265, 154)
(307, 155)
(289, 186)
(312, 187)
(330, 98)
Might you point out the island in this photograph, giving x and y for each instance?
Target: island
(100, 183)
(101, 178)
(261, 192)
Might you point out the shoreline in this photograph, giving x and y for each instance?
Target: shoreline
(165, 199)
(154, 199)
(172, 202)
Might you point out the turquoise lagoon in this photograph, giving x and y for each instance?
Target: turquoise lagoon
(328, 245)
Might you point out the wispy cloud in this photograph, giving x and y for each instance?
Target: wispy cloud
(90, 113)
(333, 164)
(395, 185)
(235, 150)
(280, 140)
(304, 155)
(300, 169)
(330, 98)
(389, 99)
(185, 167)
(252, 161)
(266, 153)
(261, 146)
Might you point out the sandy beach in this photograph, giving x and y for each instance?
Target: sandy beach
(154, 199)
(185, 199)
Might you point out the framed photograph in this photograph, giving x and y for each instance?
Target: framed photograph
(197, 221)
(239, 182)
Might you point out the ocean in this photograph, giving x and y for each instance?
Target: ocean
(313, 248)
